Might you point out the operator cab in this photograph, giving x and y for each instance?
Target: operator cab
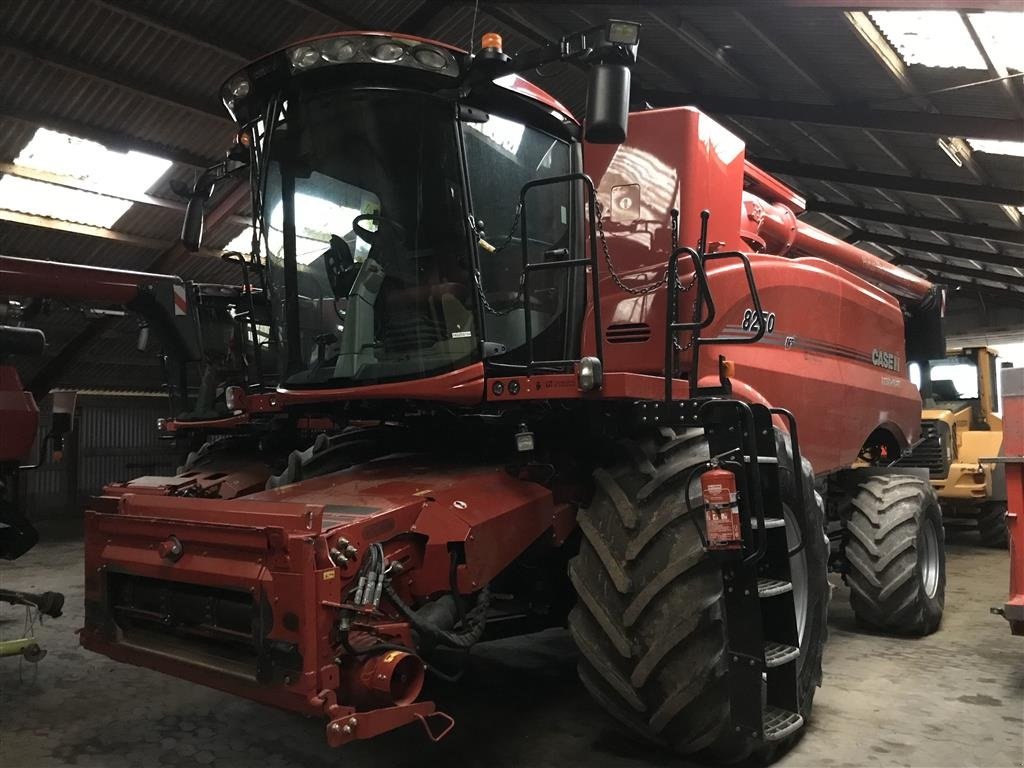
(384, 240)
(389, 176)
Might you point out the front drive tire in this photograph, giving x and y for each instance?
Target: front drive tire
(895, 553)
(649, 621)
(992, 529)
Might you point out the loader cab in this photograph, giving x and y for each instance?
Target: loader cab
(963, 381)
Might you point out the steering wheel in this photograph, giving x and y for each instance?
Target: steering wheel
(371, 236)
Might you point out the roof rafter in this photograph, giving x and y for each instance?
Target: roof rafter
(940, 249)
(897, 121)
(419, 19)
(953, 269)
(196, 34)
(322, 9)
(24, 172)
(977, 192)
(222, 212)
(964, 229)
(1006, 293)
(154, 91)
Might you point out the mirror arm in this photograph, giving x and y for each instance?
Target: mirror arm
(571, 48)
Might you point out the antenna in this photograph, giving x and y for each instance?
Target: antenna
(472, 33)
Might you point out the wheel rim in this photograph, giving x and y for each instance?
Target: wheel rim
(797, 572)
(928, 559)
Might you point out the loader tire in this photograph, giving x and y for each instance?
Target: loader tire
(894, 549)
(992, 525)
(649, 620)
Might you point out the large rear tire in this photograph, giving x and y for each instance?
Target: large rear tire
(894, 548)
(649, 621)
(992, 529)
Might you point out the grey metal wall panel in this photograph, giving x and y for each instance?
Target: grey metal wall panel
(116, 440)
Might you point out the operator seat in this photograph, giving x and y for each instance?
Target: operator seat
(944, 389)
(340, 266)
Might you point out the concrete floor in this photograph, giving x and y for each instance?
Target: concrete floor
(953, 699)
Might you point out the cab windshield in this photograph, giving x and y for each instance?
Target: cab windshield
(954, 378)
(502, 155)
(365, 188)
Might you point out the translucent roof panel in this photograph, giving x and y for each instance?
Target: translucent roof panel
(930, 38)
(75, 159)
(54, 202)
(996, 147)
(1002, 34)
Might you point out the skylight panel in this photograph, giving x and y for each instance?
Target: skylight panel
(53, 202)
(997, 147)
(1002, 34)
(241, 243)
(87, 162)
(930, 38)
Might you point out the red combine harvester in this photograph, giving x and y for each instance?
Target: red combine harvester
(568, 378)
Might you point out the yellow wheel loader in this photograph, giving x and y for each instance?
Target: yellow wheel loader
(959, 426)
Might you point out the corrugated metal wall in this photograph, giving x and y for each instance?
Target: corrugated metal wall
(115, 439)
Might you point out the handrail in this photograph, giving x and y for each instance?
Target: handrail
(592, 260)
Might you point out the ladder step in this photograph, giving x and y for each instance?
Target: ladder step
(779, 723)
(770, 522)
(773, 587)
(777, 654)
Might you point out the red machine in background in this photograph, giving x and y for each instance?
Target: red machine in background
(19, 425)
(196, 326)
(1013, 458)
(535, 349)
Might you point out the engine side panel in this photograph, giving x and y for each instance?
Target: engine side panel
(833, 353)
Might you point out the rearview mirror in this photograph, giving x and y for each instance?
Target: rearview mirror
(142, 343)
(62, 420)
(607, 103)
(924, 329)
(192, 227)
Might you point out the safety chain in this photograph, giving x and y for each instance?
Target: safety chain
(647, 288)
(651, 288)
(498, 249)
(599, 209)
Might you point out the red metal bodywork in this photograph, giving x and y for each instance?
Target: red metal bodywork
(817, 359)
(829, 323)
(56, 280)
(1013, 457)
(274, 545)
(829, 329)
(19, 417)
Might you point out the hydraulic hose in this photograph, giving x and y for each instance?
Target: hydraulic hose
(476, 619)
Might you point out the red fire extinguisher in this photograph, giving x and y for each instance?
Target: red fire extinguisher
(721, 510)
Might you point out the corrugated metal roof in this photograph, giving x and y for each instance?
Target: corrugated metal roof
(150, 70)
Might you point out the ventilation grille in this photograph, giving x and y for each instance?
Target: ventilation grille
(627, 333)
(930, 453)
